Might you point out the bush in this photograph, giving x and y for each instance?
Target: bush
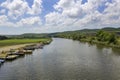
(106, 37)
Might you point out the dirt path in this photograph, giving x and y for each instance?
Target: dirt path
(7, 48)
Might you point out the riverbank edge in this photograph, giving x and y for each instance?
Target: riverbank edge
(7, 48)
(6, 51)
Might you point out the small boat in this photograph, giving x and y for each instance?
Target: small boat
(11, 57)
(29, 48)
(2, 61)
(16, 52)
(21, 53)
(39, 46)
(27, 51)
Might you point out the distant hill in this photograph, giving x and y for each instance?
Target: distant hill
(45, 35)
(95, 30)
(28, 35)
(89, 31)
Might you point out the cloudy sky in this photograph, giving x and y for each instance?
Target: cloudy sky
(41, 16)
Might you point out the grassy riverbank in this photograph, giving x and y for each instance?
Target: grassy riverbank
(10, 42)
(20, 44)
(105, 38)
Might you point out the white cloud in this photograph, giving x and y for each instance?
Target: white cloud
(68, 14)
(24, 22)
(2, 11)
(4, 21)
(36, 7)
(75, 8)
(53, 18)
(69, 8)
(18, 8)
(74, 15)
(3, 18)
(30, 21)
(15, 10)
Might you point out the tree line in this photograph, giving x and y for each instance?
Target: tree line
(3, 37)
(99, 36)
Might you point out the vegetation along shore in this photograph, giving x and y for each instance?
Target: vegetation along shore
(109, 37)
(11, 49)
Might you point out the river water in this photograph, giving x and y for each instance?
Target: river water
(65, 59)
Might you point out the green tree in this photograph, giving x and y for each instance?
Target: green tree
(106, 36)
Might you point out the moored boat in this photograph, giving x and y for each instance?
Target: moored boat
(2, 60)
(27, 51)
(21, 53)
(29, 48)
(39, 46)
(11, 57)
(16, 52)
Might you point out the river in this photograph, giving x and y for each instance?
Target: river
(65, 59)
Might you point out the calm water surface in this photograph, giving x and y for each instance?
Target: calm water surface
(65, 59)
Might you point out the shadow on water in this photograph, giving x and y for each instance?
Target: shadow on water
(116, 51)
(20, 57)
(1, 65)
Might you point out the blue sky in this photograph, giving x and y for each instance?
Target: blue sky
(44, 16)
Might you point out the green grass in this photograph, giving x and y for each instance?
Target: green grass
(21, 41)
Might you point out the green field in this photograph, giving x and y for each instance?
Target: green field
(9, 42)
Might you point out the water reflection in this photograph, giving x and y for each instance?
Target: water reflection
(65, 59)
